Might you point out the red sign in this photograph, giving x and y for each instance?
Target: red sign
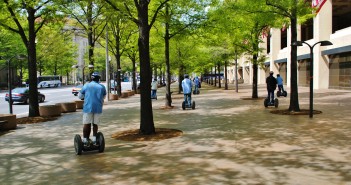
(318, 4)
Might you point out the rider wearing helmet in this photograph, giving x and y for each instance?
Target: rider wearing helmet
(271, 86)
(93, 94)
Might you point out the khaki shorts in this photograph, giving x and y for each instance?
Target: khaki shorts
(89, 118)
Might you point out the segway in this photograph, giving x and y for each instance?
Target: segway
(185, 105)
(196, 91)
(79, 146)
(275, 103)
(154, 97)
(284, 93)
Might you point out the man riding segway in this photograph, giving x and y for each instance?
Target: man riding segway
(93, 94)
(281, 91)
(271, 86)
(187, 88)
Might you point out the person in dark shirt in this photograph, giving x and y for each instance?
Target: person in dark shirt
(271, 86)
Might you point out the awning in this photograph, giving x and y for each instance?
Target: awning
(334, 51)
(284, 60)
(302, 57)
(267, 63)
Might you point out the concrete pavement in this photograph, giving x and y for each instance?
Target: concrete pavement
(226, 140)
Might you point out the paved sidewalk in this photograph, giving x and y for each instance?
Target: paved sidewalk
(226, 140)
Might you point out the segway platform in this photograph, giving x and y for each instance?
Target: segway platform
(267, 103)
(187, 105)
(79, 146)
(284, 93)
(196, 92)
(154, 97)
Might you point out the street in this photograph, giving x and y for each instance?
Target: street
(52, 96)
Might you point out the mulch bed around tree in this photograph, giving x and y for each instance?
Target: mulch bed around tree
(134, 135)
(301, 112)
(31, 120)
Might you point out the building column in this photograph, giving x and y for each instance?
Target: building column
(322, 29)
(275, 48)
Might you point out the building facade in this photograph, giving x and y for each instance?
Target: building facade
(332, 64)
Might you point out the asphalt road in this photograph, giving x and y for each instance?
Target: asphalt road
(52, 96)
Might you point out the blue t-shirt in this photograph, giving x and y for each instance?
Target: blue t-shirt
(196, 81)
(187, 85)
(280, 80)
(94, 94)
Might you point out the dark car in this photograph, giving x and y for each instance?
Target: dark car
(22, 95)
(76, 89)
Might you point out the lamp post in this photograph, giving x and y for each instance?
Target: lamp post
(9, 85)
(89, 66)
(323, 43)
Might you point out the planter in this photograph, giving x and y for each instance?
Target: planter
(79, 104)
(8, 121)
(130, 93)
(50, 110)
(113, 96)
(124, 94)
(68, 107)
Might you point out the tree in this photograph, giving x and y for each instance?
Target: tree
(179, 16)
(292, 10)
(141, 8)
(89, 16)
(11, 45)
(56, 50)
(246, 25)
(37, 14)
(120, 42)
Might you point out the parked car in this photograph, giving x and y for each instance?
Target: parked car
(76, 89)
(22, 95)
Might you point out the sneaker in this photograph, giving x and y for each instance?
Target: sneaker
(93, 139)
(85, 140)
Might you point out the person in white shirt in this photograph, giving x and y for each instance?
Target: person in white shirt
(154, 88)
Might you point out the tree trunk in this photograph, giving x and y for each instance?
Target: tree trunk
(168, 102)
(118, 56)
(90, 33)
(32, 66)
(146, 116)
(180, 79)
(254, 77)
(219, 76)
(118, 76)
(134, 77)
(225, 76)
(216, 75)
(294, 98)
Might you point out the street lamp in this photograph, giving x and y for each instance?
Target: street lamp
(19, 57)
(323, 43)
(89, 66)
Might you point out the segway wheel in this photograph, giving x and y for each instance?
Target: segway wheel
(101, 141)
(285, 94)
(278, 93)
(156, 97)
(183, 105)
(193, 105)
(78, 144)
(276, 103)
(266, 102)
